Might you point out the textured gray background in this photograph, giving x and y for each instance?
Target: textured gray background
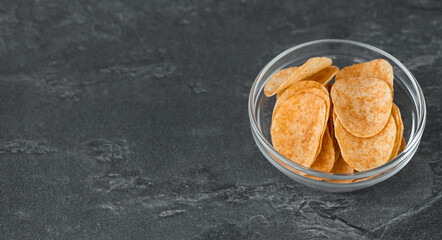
(128, 120)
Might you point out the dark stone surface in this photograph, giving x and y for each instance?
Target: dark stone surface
(128, 120)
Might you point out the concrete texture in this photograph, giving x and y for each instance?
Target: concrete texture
(128, 120)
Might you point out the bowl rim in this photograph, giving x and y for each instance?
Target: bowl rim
(413, 143)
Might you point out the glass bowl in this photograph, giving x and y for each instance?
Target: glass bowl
(408, 97)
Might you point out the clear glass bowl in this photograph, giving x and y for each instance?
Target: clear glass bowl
(408, 97)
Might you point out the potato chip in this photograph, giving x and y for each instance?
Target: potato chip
(334, 115)
(366, 153)
(363, 105)
(312, 66)
(395, 112)
(329, 86)
(289, 92)
(349, 126)
(277, 79)
(341, 166)
(320, 91)
(324, 76)
(335, 141)
(330, 119)
(326, 158)
(403, 145)
(296, 171)
(298, 127)
(337, 150)
(378, 68)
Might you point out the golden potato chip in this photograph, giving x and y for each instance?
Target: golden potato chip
(337, 150)
(326, 158)
(403, 145)
(363, 105)
(379, 68)
(298, 127)
(334, 116)
(295, 89)
(312, 66)
(331, 128)
(319, 77)
(335, 141)
(395, 112)
(324, 76)
(296, 171)
(329, 86)
(330, 119)
(366, 153)
(341, 166)
(321, 93)
(277, 79)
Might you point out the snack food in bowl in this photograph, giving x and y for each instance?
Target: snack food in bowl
(339, 134)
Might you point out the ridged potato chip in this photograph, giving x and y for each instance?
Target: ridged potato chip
(298, 127)
(366, 153)
(363, 105)
(324, 76)
(277, 79)
(296, 88)
(395, 112)
(378, 68)
(312, 66)
(326, 158)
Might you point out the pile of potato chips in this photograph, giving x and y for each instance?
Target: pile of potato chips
(351, 125)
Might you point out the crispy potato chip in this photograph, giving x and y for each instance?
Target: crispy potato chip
(326, 158)
(341, 166)
(289, 92)
(329, 86)
(324, 76)
(395, 112)
(330, 118)
(312, 66)
(277, 79)
(320, 91)
(335, 141)
(334, 115)
(363, 105)
(378, 68)
(366, 153)
(403, 145)
(357, 129)
(298, 127)
(330, 128)
(296, 171)
(337, 150)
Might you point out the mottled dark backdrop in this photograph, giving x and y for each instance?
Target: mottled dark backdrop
(128, 120)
